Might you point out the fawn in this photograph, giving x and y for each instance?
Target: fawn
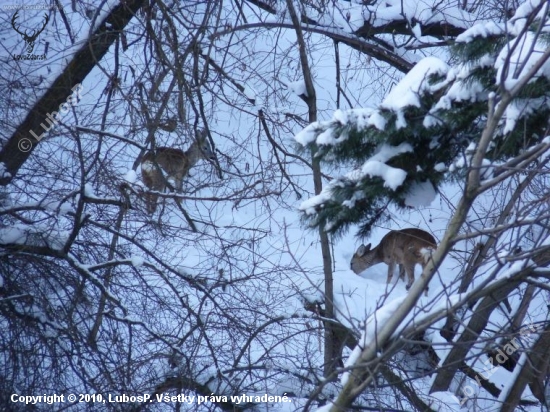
(175, 164)
(405, 247)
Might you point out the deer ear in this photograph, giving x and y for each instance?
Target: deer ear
(365, 249)
(202, 135)
(361, 250)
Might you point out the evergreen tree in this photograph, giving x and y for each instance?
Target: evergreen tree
(425, 130)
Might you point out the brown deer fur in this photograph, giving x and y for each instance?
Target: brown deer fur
(166, 167)
(405, 247)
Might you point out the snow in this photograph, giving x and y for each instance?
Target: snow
(526, 52)
(375, 166)
(350, 203)
(518, 21)
(308, 206)
(308, 134)
(3, 170)
(381, 315)
(62, 208)
(425, 11)
(463, 88)
(385, 152)
(515, 268)
(368, 336)
(407, 92)
(461, 91)
(393, 177)
(484, 29)
(443, 401)
(341, 117)
(297, 87)
(420, 194)
(417, 31)
(33, 235)
(327, 137)
(137, 261)
(376, 120)
(333, 131)
(366, 117)
(513, 376)
(89, 191)
(12, 235)
(130, 176)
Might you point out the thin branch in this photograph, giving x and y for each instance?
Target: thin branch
(350, 40)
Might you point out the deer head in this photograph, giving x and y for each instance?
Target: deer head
(29, 39)
(203, 145)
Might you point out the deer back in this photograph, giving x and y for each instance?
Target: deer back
(174, 163)
(404, 247)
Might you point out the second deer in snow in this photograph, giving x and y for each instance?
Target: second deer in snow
(165, 167)
(405, 247)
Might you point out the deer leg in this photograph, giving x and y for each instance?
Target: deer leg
(151, 202)
(153, 198)
(425, 290)
(149, 178)
(391, 269)
(402, 272)
(409, 268)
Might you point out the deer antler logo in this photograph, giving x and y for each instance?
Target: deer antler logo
(29, 39)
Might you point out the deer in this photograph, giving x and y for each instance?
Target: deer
(406, 247)
(166, 167)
